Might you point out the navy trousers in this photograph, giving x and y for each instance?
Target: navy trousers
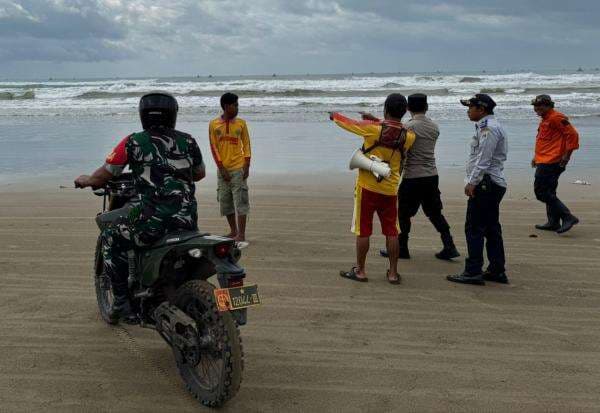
(545, 184)
(482, 226)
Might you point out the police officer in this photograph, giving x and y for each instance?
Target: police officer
(420, 181)
(164, 163)
(555, 142)
(485, 187)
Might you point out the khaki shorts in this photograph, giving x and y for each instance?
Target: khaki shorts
(233, 195)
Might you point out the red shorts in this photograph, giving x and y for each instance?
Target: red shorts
(366, 203)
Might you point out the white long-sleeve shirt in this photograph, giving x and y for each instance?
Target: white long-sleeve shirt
(488, 151)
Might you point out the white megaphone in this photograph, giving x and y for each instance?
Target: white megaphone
(372, 164)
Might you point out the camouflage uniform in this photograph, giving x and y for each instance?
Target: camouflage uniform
(163, 162)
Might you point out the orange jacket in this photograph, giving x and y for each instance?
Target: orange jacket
(556, 136)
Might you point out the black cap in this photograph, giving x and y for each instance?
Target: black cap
(480, 99)
(417, 102)
(542, 100)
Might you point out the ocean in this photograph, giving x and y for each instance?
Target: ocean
(64, 127)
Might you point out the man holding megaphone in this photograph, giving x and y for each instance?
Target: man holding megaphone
(379, 161)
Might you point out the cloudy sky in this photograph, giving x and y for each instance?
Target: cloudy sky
(102, 38)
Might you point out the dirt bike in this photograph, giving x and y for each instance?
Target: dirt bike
(170, 293)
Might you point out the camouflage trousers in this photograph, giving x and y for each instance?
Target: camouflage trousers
(117, 240)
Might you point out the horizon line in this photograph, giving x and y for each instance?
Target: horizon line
(275, 74)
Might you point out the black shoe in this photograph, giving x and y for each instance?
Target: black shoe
(447, 253)
(121, 311)
(567, 224)
(466, 278)
(402, 253)
(495, 277)
(548, 226)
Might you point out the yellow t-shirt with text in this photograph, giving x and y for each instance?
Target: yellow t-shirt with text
(229, 143)
(370, 131)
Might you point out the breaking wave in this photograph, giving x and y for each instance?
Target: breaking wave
(470, 79)
(492, 90)
(562, 90)
(95, 94)
(30, 94)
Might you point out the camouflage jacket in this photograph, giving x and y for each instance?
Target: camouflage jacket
(163, 163)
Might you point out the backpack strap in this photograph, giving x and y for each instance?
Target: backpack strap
(370, 148)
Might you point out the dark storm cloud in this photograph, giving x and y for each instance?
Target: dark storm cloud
(57, 20)
(240, 36)
(70, 30)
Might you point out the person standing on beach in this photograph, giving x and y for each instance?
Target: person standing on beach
(485, 187)
(555, 142)
(420, 181)
(230, 147)
(378, 195)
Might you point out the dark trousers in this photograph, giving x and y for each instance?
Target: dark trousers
(545, 184)
(420, 192)
(483, 223)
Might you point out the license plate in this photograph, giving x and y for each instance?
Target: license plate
(238, 297)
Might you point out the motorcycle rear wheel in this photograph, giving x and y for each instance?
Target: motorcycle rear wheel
(104, 295)
(217, 376)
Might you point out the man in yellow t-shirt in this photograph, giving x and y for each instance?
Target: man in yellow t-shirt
(373, 195)
(230, 147)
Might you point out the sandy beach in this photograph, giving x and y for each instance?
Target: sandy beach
(318, 342)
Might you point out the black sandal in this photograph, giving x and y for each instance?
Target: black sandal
(351, 275)
(395, 282)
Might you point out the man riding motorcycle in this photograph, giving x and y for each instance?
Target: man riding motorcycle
(164, 163)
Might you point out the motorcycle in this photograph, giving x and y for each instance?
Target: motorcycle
(170, 293)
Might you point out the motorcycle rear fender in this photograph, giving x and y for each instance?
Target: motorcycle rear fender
(150, 260)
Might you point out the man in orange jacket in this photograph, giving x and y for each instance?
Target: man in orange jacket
(555, 142)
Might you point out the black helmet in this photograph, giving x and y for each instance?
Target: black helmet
(158, 109)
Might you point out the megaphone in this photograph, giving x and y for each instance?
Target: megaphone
(372, 164)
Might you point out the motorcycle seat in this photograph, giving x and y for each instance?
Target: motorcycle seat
(176, 237)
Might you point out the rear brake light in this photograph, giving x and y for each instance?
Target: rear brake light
(222, 250)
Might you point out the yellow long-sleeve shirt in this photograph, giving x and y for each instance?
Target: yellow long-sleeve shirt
(370, 132)
(229, 142)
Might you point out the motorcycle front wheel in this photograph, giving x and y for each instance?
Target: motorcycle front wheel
(215, 374)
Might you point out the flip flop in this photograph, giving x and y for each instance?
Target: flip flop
(242, 244)
(395, 282)
(351, 275)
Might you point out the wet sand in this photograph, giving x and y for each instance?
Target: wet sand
(318, 342)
